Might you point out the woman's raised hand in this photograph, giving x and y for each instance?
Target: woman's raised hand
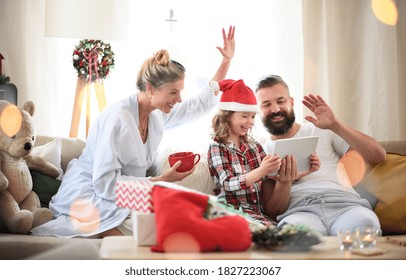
(227, 51)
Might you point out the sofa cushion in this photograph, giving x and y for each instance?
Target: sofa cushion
(71, 147)
(44, 186)
(51, 152)
(387, 182)
(392, 216)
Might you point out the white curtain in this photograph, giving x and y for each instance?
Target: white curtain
(353, 60)
(358, 63)
(268, 35)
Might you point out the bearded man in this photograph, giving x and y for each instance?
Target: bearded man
(324, 199)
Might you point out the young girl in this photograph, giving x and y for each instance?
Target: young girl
(238, 164)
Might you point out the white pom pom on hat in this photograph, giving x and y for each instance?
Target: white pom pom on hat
(237, 97)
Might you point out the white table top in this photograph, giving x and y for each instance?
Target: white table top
(126, 248)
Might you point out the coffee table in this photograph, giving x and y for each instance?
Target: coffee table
(126, 248)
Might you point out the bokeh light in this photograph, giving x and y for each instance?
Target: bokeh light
(385, 11)
(354, 166)
(11, 120)
(85, 216)
(181, 242)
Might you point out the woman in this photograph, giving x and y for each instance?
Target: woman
(124, 141)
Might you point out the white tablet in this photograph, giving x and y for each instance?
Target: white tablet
(301, 148)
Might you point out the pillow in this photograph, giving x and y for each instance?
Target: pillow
(387, 182)
(51, 152)
(392, 216)
(44, 186)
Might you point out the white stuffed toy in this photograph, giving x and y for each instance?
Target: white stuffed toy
(20, 208)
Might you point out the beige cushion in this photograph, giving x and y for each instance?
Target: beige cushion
(51, 152)
(387, 182)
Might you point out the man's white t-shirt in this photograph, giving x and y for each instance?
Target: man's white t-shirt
(331, 175)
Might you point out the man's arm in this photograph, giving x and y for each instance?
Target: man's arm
(368, 147)
(275, 193)
(275, 197)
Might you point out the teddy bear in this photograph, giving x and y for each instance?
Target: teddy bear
(20, 208)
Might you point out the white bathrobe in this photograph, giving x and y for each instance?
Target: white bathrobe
(85, 202)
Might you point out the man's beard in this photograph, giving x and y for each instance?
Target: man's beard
(282, 127)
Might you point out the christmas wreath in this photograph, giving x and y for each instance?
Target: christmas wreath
(93, 60)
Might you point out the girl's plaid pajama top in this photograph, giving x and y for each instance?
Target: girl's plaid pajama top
(228, 165)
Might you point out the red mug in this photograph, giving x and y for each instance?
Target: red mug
(188, 159)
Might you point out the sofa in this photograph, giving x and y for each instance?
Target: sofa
(59, 151)
(384, 185)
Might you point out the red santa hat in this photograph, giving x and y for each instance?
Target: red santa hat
(237, 97)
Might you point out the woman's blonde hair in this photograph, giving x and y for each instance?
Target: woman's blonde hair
(159, 70)
(221, 127)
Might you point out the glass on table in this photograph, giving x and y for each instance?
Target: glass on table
(366, 236)
(345, 238)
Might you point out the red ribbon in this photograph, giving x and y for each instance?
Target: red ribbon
(92, 62)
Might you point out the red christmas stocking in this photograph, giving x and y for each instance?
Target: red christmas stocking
(181, 227)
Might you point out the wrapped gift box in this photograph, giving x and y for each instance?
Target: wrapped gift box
(134, 193)
(144, 228)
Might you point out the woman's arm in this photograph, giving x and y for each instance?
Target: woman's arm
(192, 108)
(227, 51)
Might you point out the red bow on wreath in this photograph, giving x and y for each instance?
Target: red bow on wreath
(92, 57)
